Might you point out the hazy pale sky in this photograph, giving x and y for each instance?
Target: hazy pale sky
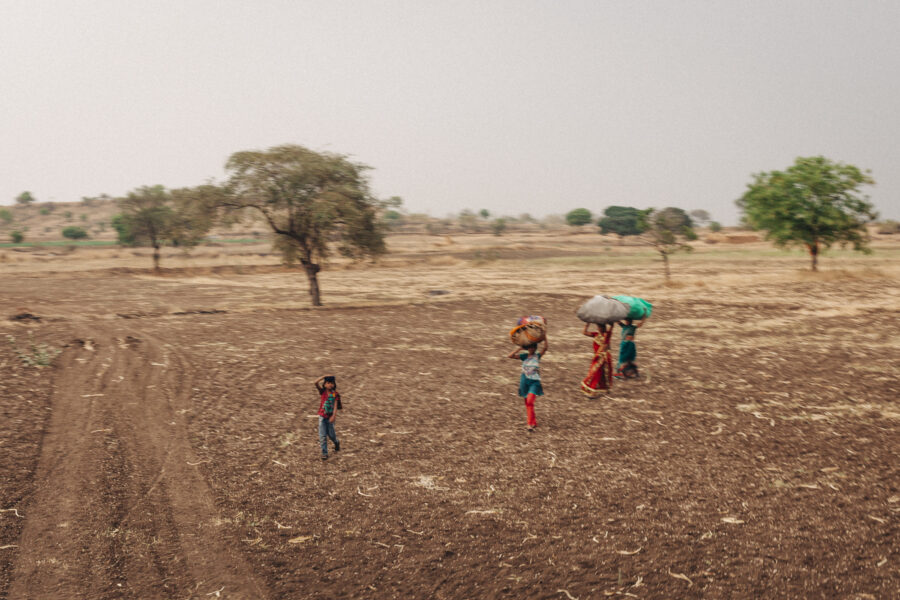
(514, 106)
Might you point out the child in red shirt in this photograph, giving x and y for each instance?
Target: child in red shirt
(329, 402)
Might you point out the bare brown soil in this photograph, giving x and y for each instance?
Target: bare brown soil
(171, 451)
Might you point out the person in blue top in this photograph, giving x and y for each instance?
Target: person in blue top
(530, 380)
(627, 349)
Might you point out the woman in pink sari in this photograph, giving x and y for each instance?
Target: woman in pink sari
(599, 377)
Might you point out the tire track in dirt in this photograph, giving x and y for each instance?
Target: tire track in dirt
(120, 509)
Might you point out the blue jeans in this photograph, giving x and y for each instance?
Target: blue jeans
(326, 430)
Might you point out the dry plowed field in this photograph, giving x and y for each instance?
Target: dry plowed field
(170, 451)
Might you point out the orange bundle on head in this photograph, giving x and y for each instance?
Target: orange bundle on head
(529, 330)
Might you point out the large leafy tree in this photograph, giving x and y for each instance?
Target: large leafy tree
(623, 220)
(308, 199)
(815, 203)
(154, 216)
(668, 230)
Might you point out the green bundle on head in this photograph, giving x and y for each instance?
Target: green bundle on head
(638, 308)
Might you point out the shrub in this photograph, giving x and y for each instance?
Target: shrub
(5, 216)
(74, 233)
(123, 234)
(889, 227)
(17, 237)
(25, 198)
(715, 226)
(36, 355)
(498, 226)
(44, 211)
(578, 217)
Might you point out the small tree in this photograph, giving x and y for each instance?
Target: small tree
(146, 218)
(154, 216)
(668, 231)
(815, 203)
(17, 237)
(74, 233)
(309, 199)
(700, 216)
(622, 220)
(498, 226)
(25, 198)
(6, 216)
(578, 217)
(484, 213)
(715, 226)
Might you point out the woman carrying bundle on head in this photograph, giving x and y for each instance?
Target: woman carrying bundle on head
(599, 377)
(600, 312)
(625, 368)
(530, 337)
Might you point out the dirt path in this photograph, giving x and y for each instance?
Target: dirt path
(120, 509)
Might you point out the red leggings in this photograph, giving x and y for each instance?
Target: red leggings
(529, 410)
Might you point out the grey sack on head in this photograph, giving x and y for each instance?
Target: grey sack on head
(602, 309)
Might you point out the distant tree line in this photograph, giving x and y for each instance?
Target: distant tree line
(319, 202)
(815, 203)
